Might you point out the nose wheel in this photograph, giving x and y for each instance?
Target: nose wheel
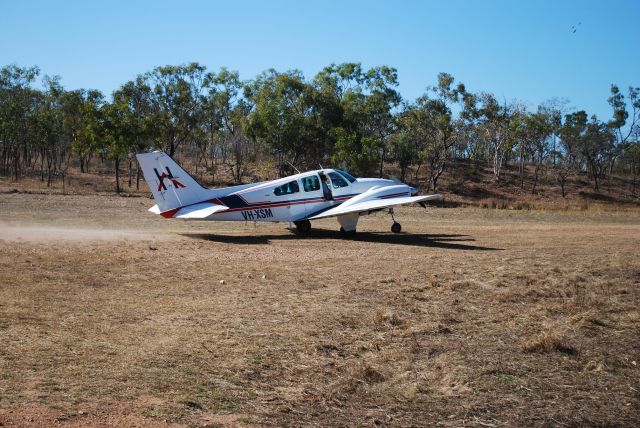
(395, 227)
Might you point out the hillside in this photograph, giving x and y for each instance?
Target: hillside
(461, 184)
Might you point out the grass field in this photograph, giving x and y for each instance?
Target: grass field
(111, 316)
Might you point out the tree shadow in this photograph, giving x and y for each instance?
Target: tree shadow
(446, 241)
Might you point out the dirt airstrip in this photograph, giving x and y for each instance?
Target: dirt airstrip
(111, 316)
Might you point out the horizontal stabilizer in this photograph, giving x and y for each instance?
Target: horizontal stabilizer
(199, 211)
(373, 204)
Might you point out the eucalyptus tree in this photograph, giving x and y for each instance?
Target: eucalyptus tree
(563, 168)
(276, 120)
(122, 129)
(632, 157)
(54, 136)
(433, 119)
(598, 149)
(363, 107)
(176, 101)
(434, 127)
(554, 110)
(621, 116)
(81, 118)
(137, 96)
(535, 133)
(226, 112)
(18, 102)
(404, 152)
(572, 134)
(497, 124)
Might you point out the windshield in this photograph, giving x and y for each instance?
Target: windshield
(346, 175)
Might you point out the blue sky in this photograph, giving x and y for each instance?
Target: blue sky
(515, 49)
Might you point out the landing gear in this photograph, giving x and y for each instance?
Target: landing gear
(347, 234)
(303, 226)
(395, 227)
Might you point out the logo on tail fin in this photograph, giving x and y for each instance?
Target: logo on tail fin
(168, 175)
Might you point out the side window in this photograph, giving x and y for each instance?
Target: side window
(348, 176)
(311, 183)
(287, 189)
(337, 180)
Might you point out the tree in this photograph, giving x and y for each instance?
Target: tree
(361, 103)
(590, 143)
(18, 103)
(563, 168)
(598, 149)
(279, 119)
(224, 125)
(175, 97)
(621, 115)
(537, 129)
(430, 120)
(496, 123)
(53, 137)
(361, 154)
(403, 152)
(120, 130)
(81, 116)
(632, 157)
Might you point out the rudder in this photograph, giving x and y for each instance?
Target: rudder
(172, 186)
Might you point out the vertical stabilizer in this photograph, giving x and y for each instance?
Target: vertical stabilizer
(171, 186)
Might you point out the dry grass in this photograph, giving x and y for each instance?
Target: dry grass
(111, 316)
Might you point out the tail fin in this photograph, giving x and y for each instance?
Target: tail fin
(171, 186)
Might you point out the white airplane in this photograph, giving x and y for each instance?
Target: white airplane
(296, 199)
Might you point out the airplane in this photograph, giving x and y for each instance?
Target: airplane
(296, 199)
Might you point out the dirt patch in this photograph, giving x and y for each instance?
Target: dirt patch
(470, 317)
(44, 234)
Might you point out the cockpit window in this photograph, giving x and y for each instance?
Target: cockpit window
(346, 175)
(337, 180)
(287, 189)
(311, 183)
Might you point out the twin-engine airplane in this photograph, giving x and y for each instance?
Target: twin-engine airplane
(298, 198)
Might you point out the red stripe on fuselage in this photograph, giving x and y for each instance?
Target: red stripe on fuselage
(171, 213)
(281, 204)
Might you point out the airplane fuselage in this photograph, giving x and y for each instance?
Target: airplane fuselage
(268, 201)
(298, 198)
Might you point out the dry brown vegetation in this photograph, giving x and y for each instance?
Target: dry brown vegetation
(111, 316)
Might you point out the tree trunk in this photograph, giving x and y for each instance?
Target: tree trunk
(117, 168)
(130, 172)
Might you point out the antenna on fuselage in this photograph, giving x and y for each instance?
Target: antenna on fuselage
(293, 166)
(320, 166)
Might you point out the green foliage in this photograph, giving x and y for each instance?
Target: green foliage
(360, 154)
(346, 114)
(404, 152)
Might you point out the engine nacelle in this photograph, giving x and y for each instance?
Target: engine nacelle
(381, 192)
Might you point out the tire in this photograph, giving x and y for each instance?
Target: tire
(349, 234)
(396, 228)
(303, 226)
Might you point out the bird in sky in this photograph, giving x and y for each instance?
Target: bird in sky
(574, 28)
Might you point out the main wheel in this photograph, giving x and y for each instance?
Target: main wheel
(396, 227)
(347, 234)
(303, 226)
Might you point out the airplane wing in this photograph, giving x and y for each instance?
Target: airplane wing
(373, 204)
(199, 211)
